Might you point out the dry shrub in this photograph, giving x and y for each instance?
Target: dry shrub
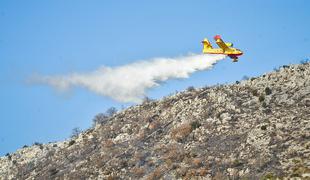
(174, 153)
(112, 177)
(138, 171)
(191, 173)
(108, 143)
(181, 171)
(138, 155)
(153, 125)
(141, 135)
(203, 171)
(197, 162)
(169, 163)
(196, 173)
(150, 162)
(220, 176)
(181, 132)
(157, 173)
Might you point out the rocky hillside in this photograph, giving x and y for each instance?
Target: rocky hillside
(254, 129)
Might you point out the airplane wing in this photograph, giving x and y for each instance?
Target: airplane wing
(221, 43)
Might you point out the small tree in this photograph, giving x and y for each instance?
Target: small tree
(261, 98)
(147, 100)
(268, 91)
(100, 118)
(191, 88)
(75, 132)
(111, 111)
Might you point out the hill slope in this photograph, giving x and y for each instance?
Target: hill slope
(254, 129)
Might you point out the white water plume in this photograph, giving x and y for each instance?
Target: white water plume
(129, 83)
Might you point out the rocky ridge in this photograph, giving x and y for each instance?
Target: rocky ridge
(253, 129)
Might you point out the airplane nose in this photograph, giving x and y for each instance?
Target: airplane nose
(217, 37)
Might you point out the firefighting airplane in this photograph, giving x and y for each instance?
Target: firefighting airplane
(225, 48)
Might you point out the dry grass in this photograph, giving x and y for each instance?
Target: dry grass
(138, 171)
(141, 135)
(174, 153)
(108, 143)
(181, 132)
(197, 162)
(157, 173)
(153, 125)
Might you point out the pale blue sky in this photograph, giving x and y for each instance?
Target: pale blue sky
(59, 37)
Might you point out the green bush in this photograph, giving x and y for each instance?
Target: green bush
(71, 142)
(264, 127)
(8, 155)
(261, 98)
(195, 125)
(111, 111)
(253, 78)
(268, 91)
(37, 144)
(269, 176)
(190, 88)
(255, 92)
(53, 171)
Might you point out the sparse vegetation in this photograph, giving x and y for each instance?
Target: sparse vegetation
(197, 162)
(190, 88)
(268, 91)
(195, 125)
(146, 99)
(269, 176)
(138, 172)
(111, 111)
(100, 118)
(218, 132)
(53, 171)
(71, 142)
(264, 127)
(264, 105)
(253, 78)
(75, 132)
(254, 92)
(181, 132)
(237, 163)
(8, 155)
(37, 144)
(261, 98)
(156, 174)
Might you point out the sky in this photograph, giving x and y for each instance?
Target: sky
(61, 37)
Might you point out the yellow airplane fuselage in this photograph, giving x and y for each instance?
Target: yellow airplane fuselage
(225, 48)
(231, 51)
